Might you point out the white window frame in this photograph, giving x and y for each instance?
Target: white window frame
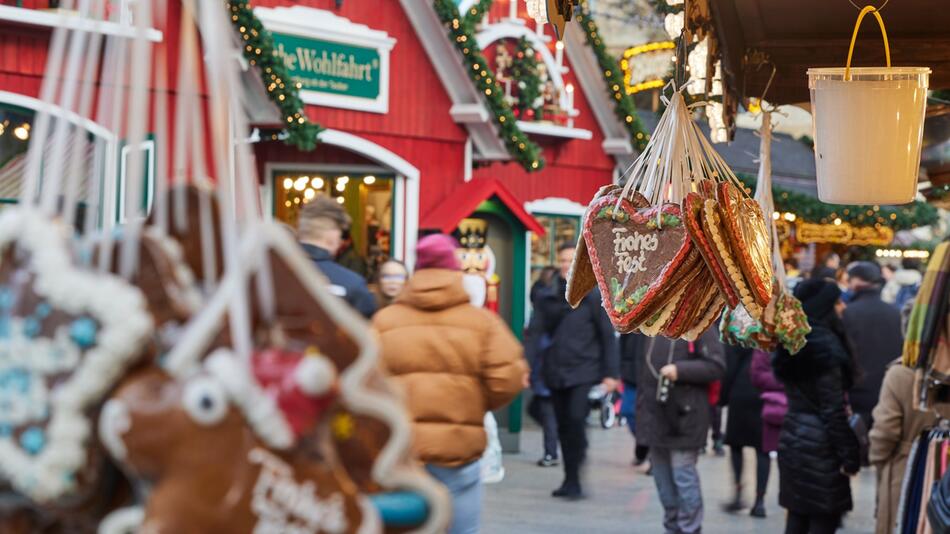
(149, 147)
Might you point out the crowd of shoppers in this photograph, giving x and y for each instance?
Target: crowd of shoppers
(457, 361)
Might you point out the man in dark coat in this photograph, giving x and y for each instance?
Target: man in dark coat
(874, 329)
(320, 230)
(675, 423)
(631, 354)
(817, 449)
(583, 352)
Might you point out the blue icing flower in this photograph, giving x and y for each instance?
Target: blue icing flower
(31, 327)
(33, 440)
(43, 310)
(83, 332)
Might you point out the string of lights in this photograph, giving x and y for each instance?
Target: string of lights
(258, 50)
(624, 107)
(462, 33)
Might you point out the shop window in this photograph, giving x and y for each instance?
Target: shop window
(559, 229)
(126, 205)
(16, 126)
(367, 198)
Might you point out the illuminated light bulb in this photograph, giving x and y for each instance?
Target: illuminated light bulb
(309, 194)
(301, 183)
(288, 183)
(776, 215)
(343, 179)
(317, 182)
(297, 200)
(22, 132)
(341, 186)
(837, 222)
(790, 217)
(2, 128)
(339, 200)
(288, 203)
(369, 180)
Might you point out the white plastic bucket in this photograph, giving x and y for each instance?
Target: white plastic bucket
(868, 123)
(868, 132)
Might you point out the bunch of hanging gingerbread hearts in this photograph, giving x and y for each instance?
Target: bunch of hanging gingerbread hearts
(678, 243)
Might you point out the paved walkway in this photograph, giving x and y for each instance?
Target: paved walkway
(622, 501)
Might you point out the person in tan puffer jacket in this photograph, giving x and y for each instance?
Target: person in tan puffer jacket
(897, 424)
(454, 362)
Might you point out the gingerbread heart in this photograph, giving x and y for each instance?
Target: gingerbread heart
(712, 313)
(638, 254)
(723, 252)
(693, 216)
(697, 297)
(581, 279)
(66, 337)
(748, 233)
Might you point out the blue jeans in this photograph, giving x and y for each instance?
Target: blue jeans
(677, 482)
(628, 406)
(465, 485)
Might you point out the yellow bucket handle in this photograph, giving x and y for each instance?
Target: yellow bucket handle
(854, 38)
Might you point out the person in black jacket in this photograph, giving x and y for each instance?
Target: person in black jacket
(583, 352)
(817, 449)
(676, 427)
(537, 341)
(320, 229)
(744, 427)
(631, 352)
(874, 327)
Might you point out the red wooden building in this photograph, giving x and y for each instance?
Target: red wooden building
(409, 144)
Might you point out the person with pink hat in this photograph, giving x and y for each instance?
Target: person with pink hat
(455, 362)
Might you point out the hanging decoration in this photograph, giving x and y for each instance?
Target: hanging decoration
(462, 33)
(557, 12)
(868, 125)
(783, 320)
(678, 241)
(624, 107)
(258, 50)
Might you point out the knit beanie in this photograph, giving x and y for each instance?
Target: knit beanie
(437, 251)
(818, 297)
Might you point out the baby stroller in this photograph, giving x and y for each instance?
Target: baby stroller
(606, 404)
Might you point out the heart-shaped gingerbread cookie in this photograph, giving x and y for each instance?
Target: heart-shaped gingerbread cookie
(638, 255)
(748, 233)
(693, 216)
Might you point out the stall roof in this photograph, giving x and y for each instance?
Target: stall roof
(816, 33)
(463, 201)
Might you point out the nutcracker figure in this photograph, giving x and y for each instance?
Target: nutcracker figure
(478, 263)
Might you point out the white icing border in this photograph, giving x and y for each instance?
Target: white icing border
(260, 238)
(124, 327)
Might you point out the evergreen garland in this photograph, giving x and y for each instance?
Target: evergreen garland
(259, 52)
(475, 13)
(810, 209)
(524, 70)
(624, 107)
(462, 33)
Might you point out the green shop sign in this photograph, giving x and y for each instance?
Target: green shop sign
(337, 62)
(327, 67)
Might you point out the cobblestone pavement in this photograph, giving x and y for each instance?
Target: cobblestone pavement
(622, 501)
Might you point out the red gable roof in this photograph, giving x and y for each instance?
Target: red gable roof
(464, 200)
